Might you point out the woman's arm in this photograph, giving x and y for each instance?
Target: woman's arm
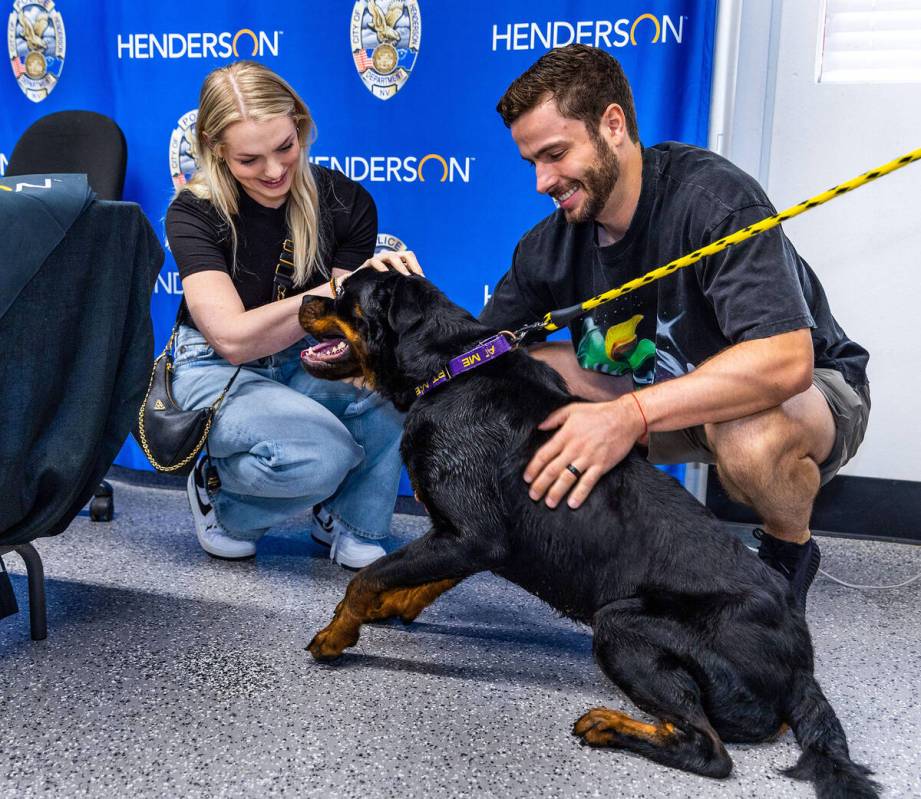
(239, 335)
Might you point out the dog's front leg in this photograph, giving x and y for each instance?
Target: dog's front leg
(342, 632)
(407, 603)
(400, 584)
(362, 604)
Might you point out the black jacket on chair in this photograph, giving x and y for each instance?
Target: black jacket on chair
(76, 344)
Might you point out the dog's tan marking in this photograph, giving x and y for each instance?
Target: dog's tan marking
(602, 726)
(407, 603)
(363, 603)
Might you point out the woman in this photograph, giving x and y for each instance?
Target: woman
(283, 442)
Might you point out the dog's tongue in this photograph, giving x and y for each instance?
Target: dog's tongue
(328, 351)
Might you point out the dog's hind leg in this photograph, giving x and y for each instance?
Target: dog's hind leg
(629, 651)
(400, 584)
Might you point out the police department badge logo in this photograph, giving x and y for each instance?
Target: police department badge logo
(35, 38)
(182, 163)
(385, 37)
(388, 243)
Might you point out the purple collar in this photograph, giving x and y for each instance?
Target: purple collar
(485, 351)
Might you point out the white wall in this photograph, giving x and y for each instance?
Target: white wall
(799, 138)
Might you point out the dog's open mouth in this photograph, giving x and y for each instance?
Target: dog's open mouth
(326, 353)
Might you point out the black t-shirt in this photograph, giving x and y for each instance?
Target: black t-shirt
(200, 241)
(690, 197)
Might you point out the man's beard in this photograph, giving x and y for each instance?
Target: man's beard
(598, 183)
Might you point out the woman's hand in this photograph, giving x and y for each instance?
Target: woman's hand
(403, 261)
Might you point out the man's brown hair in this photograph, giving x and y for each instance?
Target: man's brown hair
(582, 81)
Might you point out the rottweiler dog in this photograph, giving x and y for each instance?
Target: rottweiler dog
(687, 621)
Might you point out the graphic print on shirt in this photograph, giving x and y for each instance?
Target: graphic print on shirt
(616, 345)
(670, 360)
(617, 351)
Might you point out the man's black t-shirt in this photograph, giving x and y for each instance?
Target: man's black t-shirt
(689, 198)
(200, 241)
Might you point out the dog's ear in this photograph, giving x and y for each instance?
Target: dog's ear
(391, 306)
(407, 304)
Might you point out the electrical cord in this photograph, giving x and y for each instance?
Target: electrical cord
(902, 584)
(846, 584)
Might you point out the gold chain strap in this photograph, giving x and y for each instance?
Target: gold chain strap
(144, 445)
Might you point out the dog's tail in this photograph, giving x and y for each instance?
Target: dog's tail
(825, 760)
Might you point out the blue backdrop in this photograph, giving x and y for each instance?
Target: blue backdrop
(403, 93)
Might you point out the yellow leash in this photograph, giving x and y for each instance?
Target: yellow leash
(557, 319)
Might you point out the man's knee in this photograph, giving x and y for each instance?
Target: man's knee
(769, 444)
(753, 447)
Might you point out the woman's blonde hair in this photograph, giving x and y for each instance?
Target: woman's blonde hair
(242, 91)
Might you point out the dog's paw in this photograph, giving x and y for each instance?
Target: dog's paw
(604, 727)
(328, 645)
(592, 726)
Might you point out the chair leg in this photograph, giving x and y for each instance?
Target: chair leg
(102, 505)
(38, 620)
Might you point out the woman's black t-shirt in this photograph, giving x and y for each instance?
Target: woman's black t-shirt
(200, 240)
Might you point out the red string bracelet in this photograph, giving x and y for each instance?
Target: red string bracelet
(640, 408)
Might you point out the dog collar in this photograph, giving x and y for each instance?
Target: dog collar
(482, 353)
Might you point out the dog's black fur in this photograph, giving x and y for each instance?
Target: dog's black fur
(687, 621)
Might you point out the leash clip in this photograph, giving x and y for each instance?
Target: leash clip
(518, 336)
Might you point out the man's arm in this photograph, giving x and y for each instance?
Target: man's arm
(741, 380)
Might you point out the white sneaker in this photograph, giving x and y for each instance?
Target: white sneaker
(345, 548)
(210, 534)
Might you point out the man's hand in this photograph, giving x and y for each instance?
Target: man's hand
(593, 437)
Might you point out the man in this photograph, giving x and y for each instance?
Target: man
(738, 359)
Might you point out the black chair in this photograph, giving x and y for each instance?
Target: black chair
(38, 621)
(74, 141)
(77, 141)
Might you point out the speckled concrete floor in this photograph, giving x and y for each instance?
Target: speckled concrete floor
(167, 673)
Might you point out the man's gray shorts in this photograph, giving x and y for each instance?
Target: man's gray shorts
(849, 406)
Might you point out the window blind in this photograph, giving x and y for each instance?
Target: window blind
(869, 41)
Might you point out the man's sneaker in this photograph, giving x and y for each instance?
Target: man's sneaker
(210, 534)
(799, 563)
(345, 548)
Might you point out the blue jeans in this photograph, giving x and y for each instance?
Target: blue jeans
(284, 441)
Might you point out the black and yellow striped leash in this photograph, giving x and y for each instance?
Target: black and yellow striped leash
(555, 320)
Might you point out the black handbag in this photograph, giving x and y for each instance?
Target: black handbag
(171, 437)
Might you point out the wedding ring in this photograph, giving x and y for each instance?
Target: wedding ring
(575, 470)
